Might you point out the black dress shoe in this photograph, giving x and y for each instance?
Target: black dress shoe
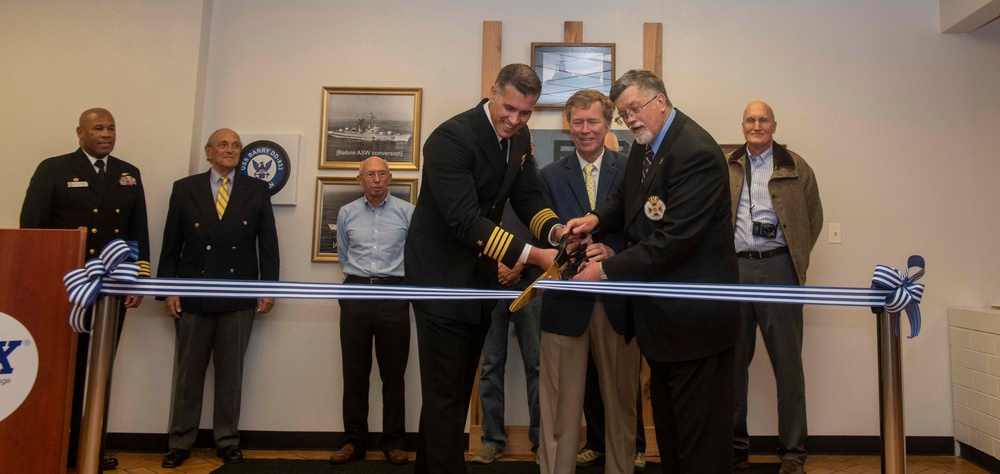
(230, 454)
(109, 464)
(175, 457)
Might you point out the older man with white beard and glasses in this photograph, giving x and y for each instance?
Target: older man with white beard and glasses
(674, 210)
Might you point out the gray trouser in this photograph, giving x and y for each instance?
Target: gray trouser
(201, 336)
(781, 328)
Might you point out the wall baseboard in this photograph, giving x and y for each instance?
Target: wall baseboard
(331, 441)
(979, 458)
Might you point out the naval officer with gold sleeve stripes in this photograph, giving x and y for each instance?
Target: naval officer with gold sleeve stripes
(474, 163)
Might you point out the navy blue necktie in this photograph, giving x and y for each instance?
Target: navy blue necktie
(647, 161)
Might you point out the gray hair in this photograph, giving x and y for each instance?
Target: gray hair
(646, 81)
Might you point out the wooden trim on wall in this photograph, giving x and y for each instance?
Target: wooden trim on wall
(652, 48)
(573, 32)
(492, 40)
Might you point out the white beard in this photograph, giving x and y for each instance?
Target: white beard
(645, 137)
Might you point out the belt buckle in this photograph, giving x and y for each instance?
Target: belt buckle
(373, 280)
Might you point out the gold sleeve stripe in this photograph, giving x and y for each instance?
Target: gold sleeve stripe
(491, 242)
(498, 243)
(143, 268)
(539, 221)
(503, 247)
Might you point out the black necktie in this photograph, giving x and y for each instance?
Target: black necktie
(100, 170)
(647, 161)
(504, 146)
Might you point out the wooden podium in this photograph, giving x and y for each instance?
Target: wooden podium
(35, 437)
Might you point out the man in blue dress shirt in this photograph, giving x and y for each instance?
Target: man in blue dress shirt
(370, 235)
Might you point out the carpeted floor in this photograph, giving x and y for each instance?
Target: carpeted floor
(295, 466)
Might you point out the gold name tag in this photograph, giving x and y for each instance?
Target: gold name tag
(77, 184)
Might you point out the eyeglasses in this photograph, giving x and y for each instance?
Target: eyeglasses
(372, 174)
(763, 121)
(621, 118)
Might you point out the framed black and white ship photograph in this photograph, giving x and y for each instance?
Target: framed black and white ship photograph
(565, 68)
(332, 193)
(362, 122)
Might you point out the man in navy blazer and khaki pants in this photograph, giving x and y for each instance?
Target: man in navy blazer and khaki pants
(219, 226)
(674, 208)
(575, 324)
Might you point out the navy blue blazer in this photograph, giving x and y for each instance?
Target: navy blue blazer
(567, 313)
(243, 245)
(454, 240)
(65, 194)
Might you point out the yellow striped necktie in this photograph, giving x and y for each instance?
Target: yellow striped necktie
(222, 197)
(588, 180)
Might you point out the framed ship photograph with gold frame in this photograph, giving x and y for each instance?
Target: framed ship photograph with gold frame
(362, 122)
(332, 193)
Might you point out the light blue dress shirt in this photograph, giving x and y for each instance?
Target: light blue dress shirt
(217, 182)
(370, 240)
(756, 206)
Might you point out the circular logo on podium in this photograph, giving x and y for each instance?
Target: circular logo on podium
(18, 364)
(266, 161)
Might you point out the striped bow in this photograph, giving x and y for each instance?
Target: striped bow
(84, 284)
(906, 293)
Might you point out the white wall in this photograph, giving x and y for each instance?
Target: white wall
(898, 120)
(140, 61)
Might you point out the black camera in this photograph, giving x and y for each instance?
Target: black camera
(765, 229)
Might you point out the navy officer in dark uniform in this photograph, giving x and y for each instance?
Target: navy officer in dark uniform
(474, 164)
(90, 188)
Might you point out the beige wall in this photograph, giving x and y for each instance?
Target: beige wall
(898, 121)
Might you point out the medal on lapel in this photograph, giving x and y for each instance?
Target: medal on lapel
(127, 180)
(654, 208)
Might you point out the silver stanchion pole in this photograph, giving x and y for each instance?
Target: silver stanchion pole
(102, 355)
(890, 382)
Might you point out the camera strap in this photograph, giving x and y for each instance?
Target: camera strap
(748, 172)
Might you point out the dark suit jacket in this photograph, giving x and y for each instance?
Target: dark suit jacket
(693, 242)
(241, 246)
(454, 239)
(64, 194)
(566, 312)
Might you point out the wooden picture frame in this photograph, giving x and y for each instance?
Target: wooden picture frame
(334, 192)
(361, 122)
(565, 68)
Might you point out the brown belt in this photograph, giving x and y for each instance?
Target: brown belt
(374, 280)
(753, 254)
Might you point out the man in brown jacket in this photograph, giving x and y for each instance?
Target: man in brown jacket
(777, 217)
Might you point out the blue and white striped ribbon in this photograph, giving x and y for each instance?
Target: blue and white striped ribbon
(889, 289)
(906, 293)
(84, 284)
(814, 295)
(297, 290)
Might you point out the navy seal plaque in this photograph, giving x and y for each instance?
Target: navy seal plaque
(266, 161)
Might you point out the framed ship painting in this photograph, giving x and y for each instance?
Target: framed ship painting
(331, 194)
(362, 122)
